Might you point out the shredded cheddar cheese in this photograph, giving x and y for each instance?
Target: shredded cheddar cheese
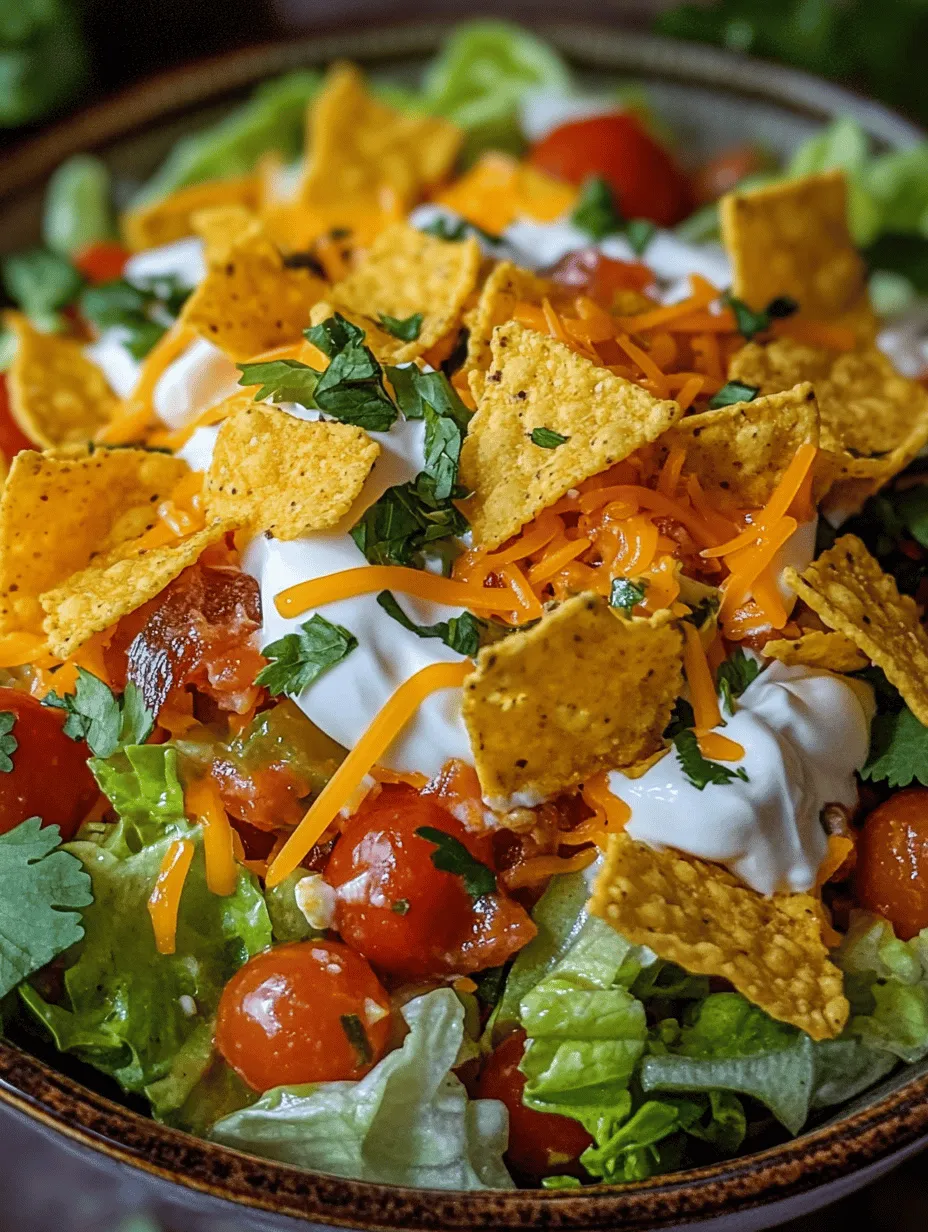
(164, 902)
(204, 805)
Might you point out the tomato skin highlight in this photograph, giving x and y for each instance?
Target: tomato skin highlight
(646, 181)
(407, 917)
(892, 862)
(280, 1016)
(540, 1143)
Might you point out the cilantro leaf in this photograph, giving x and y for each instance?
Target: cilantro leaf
(407, 329)
(282, 380)
(732, 392)
(97, 715)
(334, 334)
(596, 211)
(298, 659)
(407, 518)
(626, 594)
(681, 717)
(357, 1038)
(351, 388)
(460, 633)
(698, 769)
(429, 396)
(37, 883)
(40, 282)
(547, 438)
(640, 232)
(898, 750)
(734, 676)
(143, 312)
(748, 322)
(451, 856)
(8, 742)
(456, 230)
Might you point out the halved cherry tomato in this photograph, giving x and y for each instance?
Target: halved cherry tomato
(103, 261)
(12, 437)
(408, 917)
(600, 277)
(892, 861)
(645, 179)
(540, 1143)
(50, 777)
(311, 1011)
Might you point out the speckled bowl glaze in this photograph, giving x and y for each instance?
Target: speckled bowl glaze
(711, 100)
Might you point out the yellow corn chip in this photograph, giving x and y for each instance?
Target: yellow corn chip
(832, 651)
(221, 227)
(539, 717)
(699, 916)
(847, 588)
(250, 302)
(171, 218)
(792, 239)
(57, 395)
(744, 449)
(537, 382)
(359, 149)
(59, 511)
(506, 286)
(272, 472)
(407, 271)
(119, 583)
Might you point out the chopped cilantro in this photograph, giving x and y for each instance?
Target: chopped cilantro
(399, 906)
(407, 329)
(626, 594)
(429, 396)
(408, 518)
(596, 212)
(96, 714)
(732, 392)
(282, 380)
(748, 322)
(334, 334)
(460, 633)
(547, 438)
(734, 676)
(298, 659)
(142, 311)
(681, 717)
(37, 885)
(698, 769)
(357, 1038)
(8, 742)
(639, 232)
(451, 856)
(456, 230)
(898, 750)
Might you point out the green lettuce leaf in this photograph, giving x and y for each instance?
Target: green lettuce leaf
(78, 210)
(408, 1122)
(141, 783)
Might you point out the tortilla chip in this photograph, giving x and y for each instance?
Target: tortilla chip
(57, 395)
(792, 239)
(59, 511)
(847, 588)
(407, 271)
(506, 286)
(382, 345)
(171, 218)
(538, 382)
(276, 473)
(250, 302)
(359, 149)
(221, 227)
(119, 583)
(699, 916)
(832, 651)
(743, 450)
(539, 716)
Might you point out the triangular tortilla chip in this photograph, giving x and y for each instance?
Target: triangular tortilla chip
(699, 916)
(171, 218)
(506, 286)
(221, 227)
(582, 691)
(832, 651)
(537, 382)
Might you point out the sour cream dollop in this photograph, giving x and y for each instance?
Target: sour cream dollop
(804, 733)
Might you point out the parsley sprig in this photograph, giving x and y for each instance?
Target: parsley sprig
(898, 750)
(698, 769)
(749, 323)
(144, 311)
(104, 720)
(547, 438)
(460, 633)
(732, 392)
(598, 214)
(298, 659)
(8, 742)
(407, 329)
(626, 594)
(734, 676)
(451, 856)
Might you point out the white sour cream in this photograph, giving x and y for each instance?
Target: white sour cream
(804, 733)
(182, 260)
(198, 379)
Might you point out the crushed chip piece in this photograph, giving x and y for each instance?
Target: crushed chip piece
(699, 916)
(506, 286)
(537, 382)
(832, 651)
(792, 239)
(744, 449)
(407, 271)
(272, 472)
(249, 302)
(849, 591)
(171, 218)
(57, 395)
(115, 585)
(59, 511)
(540, 720)
(221, 227)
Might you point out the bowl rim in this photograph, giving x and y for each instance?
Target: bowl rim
(30, 1086)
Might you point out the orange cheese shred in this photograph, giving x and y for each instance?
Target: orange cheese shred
(699, 678)
(164, 903)
(717, 747)
(597, 796)
(204, 805)
(139, 406)
(540, 868)
(19, 648)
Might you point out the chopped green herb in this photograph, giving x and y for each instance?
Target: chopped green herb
(547, 438)
(41, 283)
(732, 392)
(282, 380)
(460, 633)
(749, 323)
(626, 594)
(734, 676)
(142, 312)
(407, 519)
(407, 329)
(8, 742)
(596, 212)
(357, 1038)
(456, 230)
(681, 717)
(334, 334)
(639, 232)
(299, 658)
(97, 715)
(698, 769)
(351, 388)
(898, 750)
(451, 856)
(429, 396)
(399, 906)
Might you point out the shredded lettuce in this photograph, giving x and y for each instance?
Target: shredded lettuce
(408, 1122)
(78, 210)
(887, 983)
(142, 785)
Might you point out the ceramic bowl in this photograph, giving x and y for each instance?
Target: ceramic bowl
(710, 100)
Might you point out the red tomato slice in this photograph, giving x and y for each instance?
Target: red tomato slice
(12, 437)
(103, 261)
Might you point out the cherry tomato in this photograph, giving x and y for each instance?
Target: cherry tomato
(50, 777)
(892, 861)
(311, 1011)
(724, 172)
(540, 1143)
(408, 917)
(103, 261)
(599, 277)
(645, 179)
(12, 437)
